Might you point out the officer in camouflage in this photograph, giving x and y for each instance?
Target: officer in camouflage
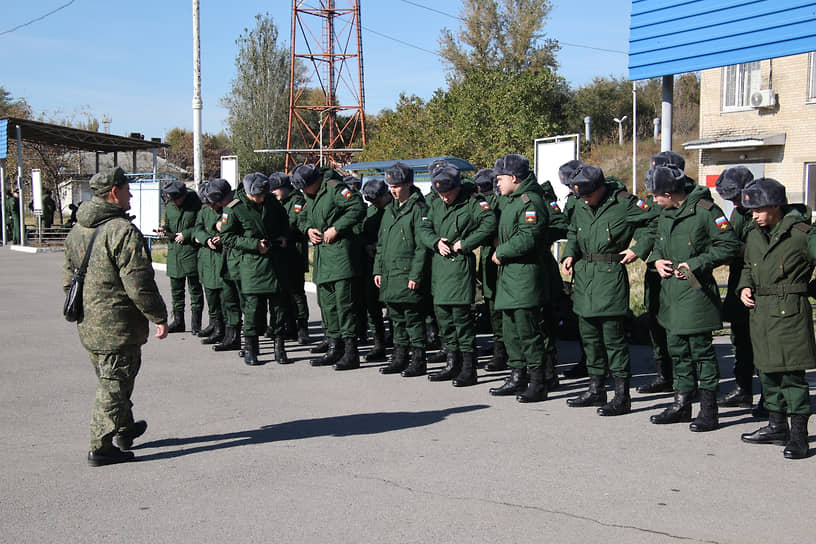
(120, 297)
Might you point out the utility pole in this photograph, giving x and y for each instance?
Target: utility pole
(197, 103)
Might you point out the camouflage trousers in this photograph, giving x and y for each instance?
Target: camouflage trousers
(115, 373)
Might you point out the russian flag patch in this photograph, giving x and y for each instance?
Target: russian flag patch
(484, 205)
(722, 222)
(297, 208)
(642, 205)
(346, 193)
(554, 206)
(224, 217)
(530, 216)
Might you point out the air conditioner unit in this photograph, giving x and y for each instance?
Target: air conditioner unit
(764, 98)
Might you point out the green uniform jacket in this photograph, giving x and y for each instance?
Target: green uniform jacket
(696, 233)
(182, 259)
(601, 289)
(488, 270)
(733, 308)
(559, 222)
(369, 236)
(469, 219)
(335, 205)
(210, 262)
(120, 293)
(298, 242)
(244, 223)
(400, 256)
(523, 248)
(781, 324)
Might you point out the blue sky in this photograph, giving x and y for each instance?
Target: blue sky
(133, 60)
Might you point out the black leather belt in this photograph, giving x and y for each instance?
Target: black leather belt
(603, 257)
(782, 289)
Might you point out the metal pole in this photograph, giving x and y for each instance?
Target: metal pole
(587, 128)
(320, 115)
(3, 196)
(668, 99)
(197, 103)
(20, 184)
(634, 138)
(656, 122)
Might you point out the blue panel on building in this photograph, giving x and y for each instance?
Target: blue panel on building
(677, 36)
(3, 138)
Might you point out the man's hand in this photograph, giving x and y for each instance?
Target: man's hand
(161, 331)
(442, 247)
(457, 246)
(213, 242)
(495, 260)
(179, 238)
(747, 297)
(412, 285)
(315, 236)
(378, 281)
(628, 256)
(218, 225)
(664, 268)
(160, 231)
(566, 266)
(263, 249)
(330, 235)
(680, 275)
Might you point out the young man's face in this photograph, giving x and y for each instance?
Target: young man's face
(257, 199)
(121, 196)
(663, 200)
(400, 191)
(767, 216)
(449, 196)
(507, 184)
(281, 192)
(594, 198)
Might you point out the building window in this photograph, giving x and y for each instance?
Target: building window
(811, 96)
(739, 81)
(810, 184)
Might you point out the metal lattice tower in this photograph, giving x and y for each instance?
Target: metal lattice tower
(327, 44)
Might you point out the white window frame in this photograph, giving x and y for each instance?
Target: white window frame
(747, 78)
(811, 87)
(809, 196)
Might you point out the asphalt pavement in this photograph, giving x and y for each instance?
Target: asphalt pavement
(302, 454)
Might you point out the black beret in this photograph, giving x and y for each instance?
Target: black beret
(202, 191)
(446, 178)
(278, 180)
(218, 190)
(566, 170)
(586, 179)
(485, 180)
(763, 192)
(174, 189)
(666, 179)
(305, 175)
(667, 158)
(512, 165)
(732, 181)
(399, 172)
(256, 184)
(435, 165)
(374, 188)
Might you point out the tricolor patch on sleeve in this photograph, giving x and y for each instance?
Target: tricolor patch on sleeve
(722, 222)
(642, 205)
(297, 208)
(554, 206)
(224, 217)
(346, 193)
(530, 216)
(484, 205)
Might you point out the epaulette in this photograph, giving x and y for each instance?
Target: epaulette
(525, 198)
(803, 226)
(332, 183)
(705, 204)
(233, 203)
(624, 195)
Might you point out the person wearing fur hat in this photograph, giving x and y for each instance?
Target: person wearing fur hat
(297, 307)
(692, 238)
(256, 227)
(729, 185)
(333, 215)
(455, 224)
(180, 213)
(210, 264)
(774, 288)
(604, 222)
(375, 192)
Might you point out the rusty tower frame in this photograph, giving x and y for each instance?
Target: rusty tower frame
(333, 60)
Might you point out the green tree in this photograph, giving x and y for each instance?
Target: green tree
(213, 147)
(506, 35)
(11, 107)
(258, 102)
(400, 134)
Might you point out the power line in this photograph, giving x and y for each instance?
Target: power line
(40, 18)
(386, 36)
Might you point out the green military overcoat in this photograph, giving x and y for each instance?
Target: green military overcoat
(210, 261)
(488, 270)
(733, 308)
(182, 259)
(298, 242)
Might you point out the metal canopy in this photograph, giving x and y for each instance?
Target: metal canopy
(74, 138)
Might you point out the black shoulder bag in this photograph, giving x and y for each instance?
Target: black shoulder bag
(72, 310)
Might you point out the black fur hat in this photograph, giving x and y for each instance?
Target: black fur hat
(586, 179)
(512, 165)
(485, 180)
(669, 158)
(352, 182)
(305, 175)
(256, 184)
(446, 178)
(174, 189)
(374, 188)
(202, 191)
(218, 189)
(732, 181)
(763, 192)
(278, 180)
(666, 179)
(399, 172)
(566, 170)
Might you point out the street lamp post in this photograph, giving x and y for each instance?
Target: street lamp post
(620, 128)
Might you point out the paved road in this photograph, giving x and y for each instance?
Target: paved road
(302, 454)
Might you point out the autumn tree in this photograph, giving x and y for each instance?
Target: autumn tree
(13, 107)
(213, 147)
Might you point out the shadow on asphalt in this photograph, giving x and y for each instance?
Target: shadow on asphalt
(348, 425)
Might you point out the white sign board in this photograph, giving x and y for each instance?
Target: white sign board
(229, 169)
(146, 206)
(550, 154)
(36, 190)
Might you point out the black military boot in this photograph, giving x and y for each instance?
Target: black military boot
(109, 456)
(231, 340)
(388, 336)
(576, 371)
(302, 332)
(280, 350)
(537, 388)
(377, 352)
(594, 396)
(251, 351)
(351, 357)
(439, 357)
(216, 332)
(291, 328)
(662, 382)
(322, 347)
(124, 439)
(760, 410)
(195, 321)
(516, 382)
(678, 412)
(177, 325)
(775, 432)
(432, 340)
(334, 351)
(550, 375)
(467, 376)
(797, 447)
(708, 418)
(499, 359)
(208, 330)
(418, 365)
(452, 368)
(621, 403)
(739, 396)
(399, 360)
